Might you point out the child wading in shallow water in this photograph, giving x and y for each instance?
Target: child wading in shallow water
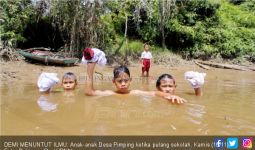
(122, 81)
(146, 60)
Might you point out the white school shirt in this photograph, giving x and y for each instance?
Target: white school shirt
(146, 55)
(99, 57)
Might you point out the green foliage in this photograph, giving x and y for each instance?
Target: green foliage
(236, 16)
(200, 29)
(16, 14)
(82, 24)
(228, 32)
(249, 5)
(237, 31)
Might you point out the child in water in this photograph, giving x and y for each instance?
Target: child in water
(47, 80)
(146, 60)
(69, 81)
(196, 80)
(166, 82)
(45, 83)
(122, 81)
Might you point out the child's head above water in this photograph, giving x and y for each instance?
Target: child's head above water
(121, 79)
(166, 83)
(69, 81)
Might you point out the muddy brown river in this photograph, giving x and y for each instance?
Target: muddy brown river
(226, 108)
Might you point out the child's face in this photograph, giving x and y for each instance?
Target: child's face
(68, 84)
(146, 47)
(167, 86)
(122, 82)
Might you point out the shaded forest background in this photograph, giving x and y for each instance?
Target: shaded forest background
(203, 29)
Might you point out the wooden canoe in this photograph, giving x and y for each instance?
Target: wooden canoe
(47, 57)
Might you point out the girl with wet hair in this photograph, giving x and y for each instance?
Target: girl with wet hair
(166, 82)
(117, 71)
(122, 81)
(162, 77)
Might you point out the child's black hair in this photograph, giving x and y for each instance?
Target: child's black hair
(117, 71)
(163, 76)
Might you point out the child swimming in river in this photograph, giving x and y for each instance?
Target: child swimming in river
(46, 81)
(122, 81)
(69, 81)
(166, 83)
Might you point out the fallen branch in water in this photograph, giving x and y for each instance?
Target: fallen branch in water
(202, 66)
(226, 66)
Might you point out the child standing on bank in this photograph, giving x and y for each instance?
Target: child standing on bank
(146, 60)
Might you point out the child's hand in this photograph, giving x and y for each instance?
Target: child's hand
(195, 78)
(175, 99)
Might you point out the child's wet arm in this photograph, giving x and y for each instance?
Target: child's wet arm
(89, 88)
(161, 94)
(143, 93)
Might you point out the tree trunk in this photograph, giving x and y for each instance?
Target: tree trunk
(162, 22)
(126, 45)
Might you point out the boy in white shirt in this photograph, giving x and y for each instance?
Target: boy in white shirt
(146, 60)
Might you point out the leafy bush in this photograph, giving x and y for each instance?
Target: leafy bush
(15, 16)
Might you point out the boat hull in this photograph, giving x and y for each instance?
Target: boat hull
(49, 60)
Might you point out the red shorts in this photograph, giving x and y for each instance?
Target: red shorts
(146, 65)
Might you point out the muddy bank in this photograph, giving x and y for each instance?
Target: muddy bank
(25, 72)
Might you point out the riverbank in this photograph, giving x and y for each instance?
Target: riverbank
(24, 72)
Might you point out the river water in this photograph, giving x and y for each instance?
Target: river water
(227, 107)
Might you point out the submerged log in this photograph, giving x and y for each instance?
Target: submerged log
(202, 66)
(225, 66)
